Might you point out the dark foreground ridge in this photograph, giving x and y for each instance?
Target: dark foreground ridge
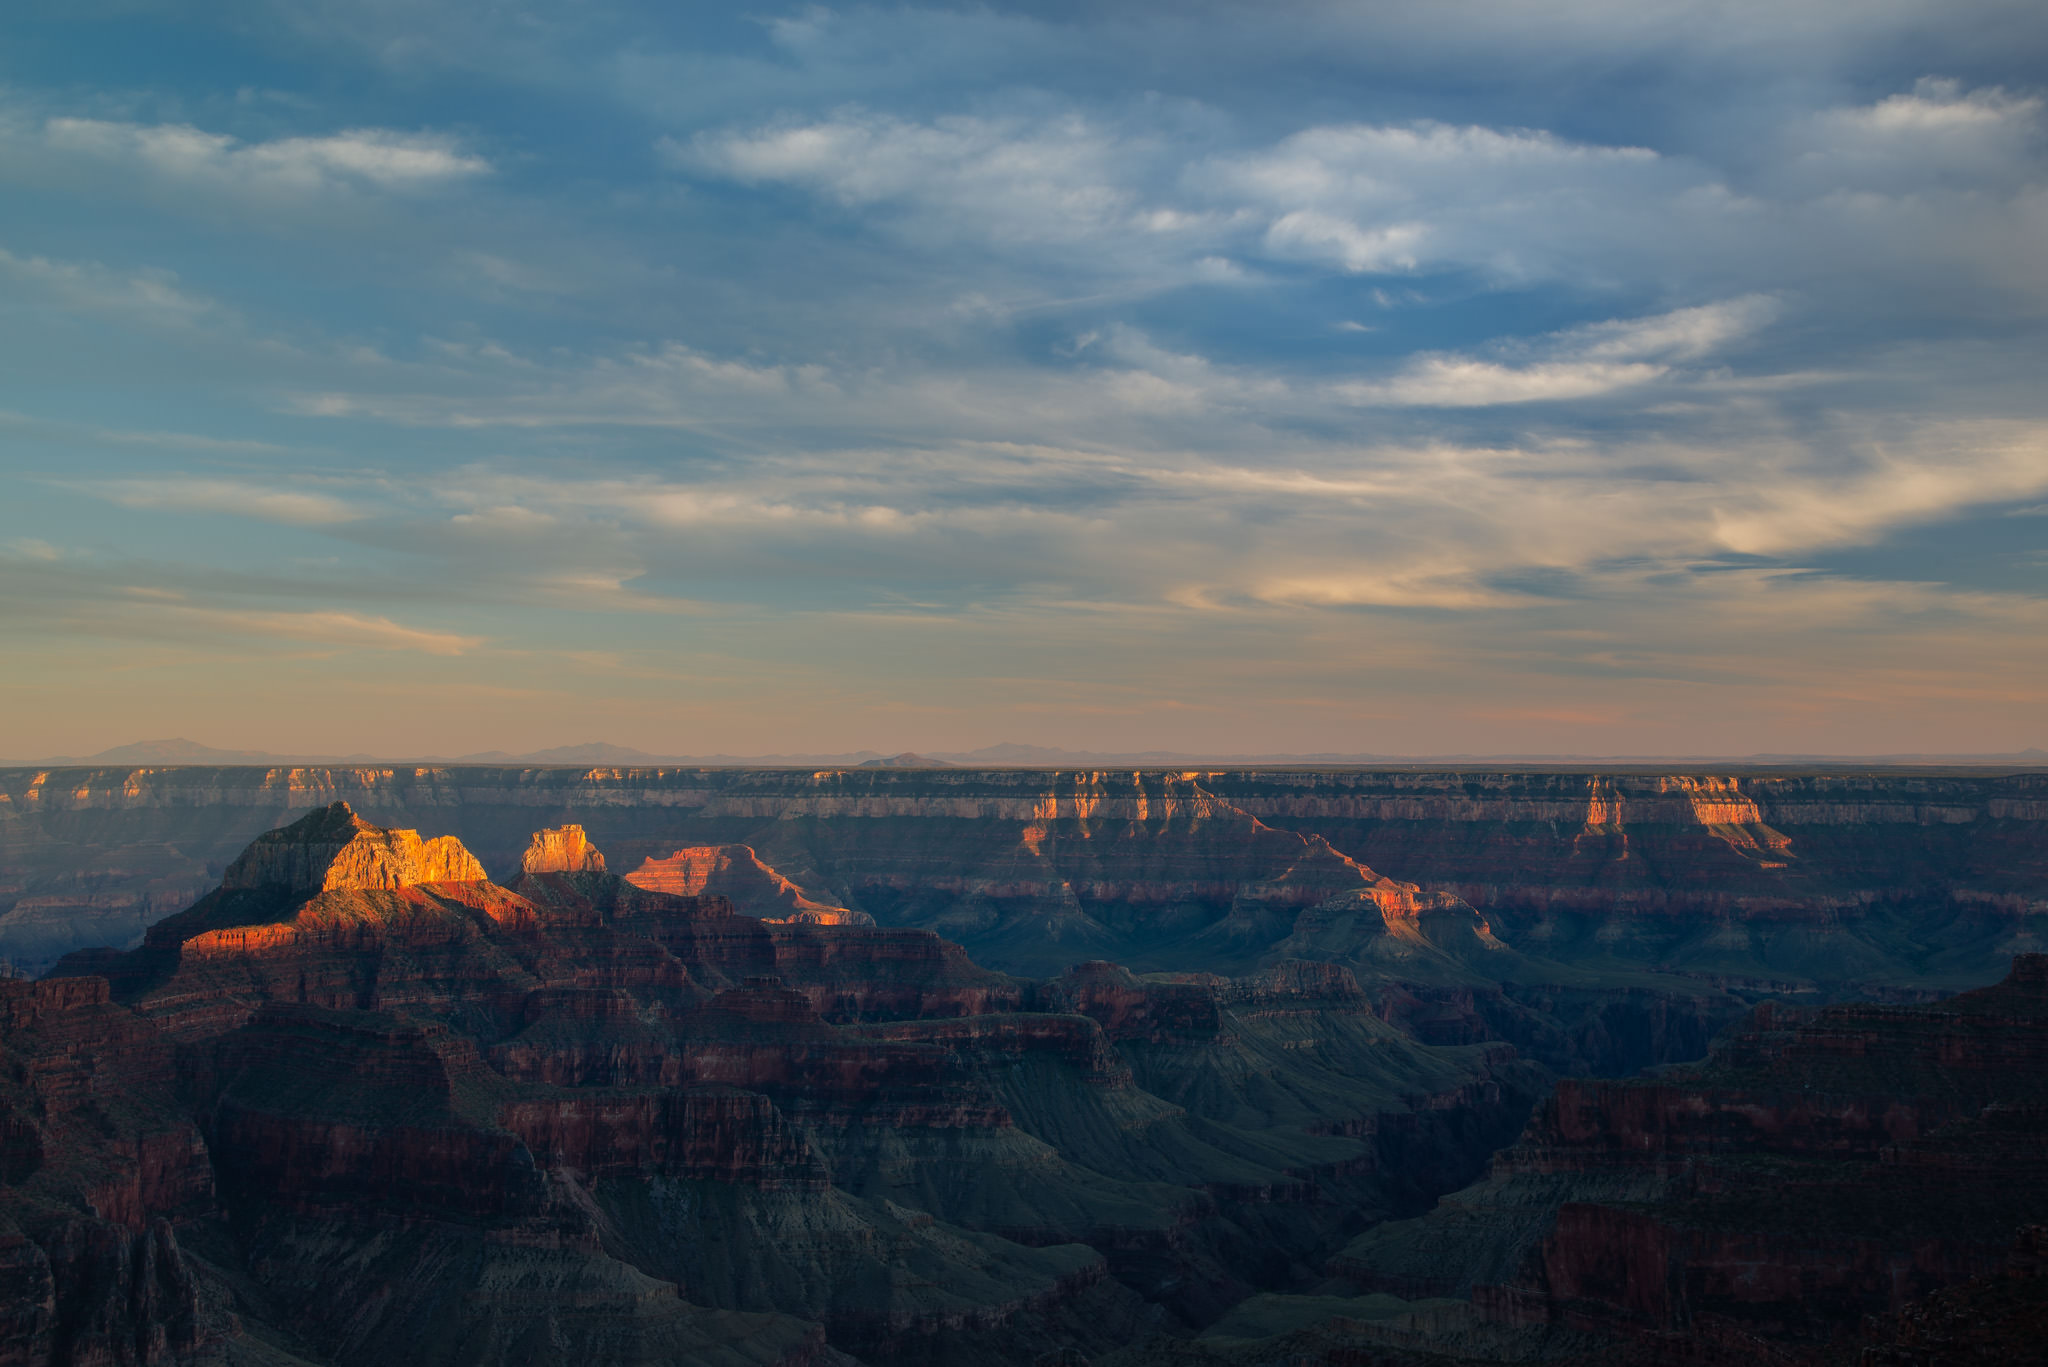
(1795, 1198)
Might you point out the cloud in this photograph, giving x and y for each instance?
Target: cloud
(333, 627)
(1939, 138)
(295, 507)
(359, 157)
(79, 433)
(1818, 202)
(1359, 197)
(1987, 464)
(1316, 235)
(1013, 180)
(1580, 363)
(1404, 197)
(1454, 589)
(151, 295)
(1680, 335)
(1942, 106)
(1459, 382)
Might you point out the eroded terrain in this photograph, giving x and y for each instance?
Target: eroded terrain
(1017, 1067)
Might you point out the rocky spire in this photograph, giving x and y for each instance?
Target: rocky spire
(333, 848)
(561, 849)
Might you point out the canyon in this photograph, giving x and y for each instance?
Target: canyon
(1869, 878)
(1013, 1066)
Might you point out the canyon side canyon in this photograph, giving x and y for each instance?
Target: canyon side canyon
(477, 1065)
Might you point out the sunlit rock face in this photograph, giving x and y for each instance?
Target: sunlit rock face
(737, 873)
(561, 849)
(334, 849)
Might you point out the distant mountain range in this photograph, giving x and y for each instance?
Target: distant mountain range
(1006, 755)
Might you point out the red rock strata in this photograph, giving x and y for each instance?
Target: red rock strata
(1809, 1175)
(736, 873)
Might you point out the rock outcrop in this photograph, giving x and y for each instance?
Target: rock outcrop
(561, 849)
(334, 850)
(736, 873)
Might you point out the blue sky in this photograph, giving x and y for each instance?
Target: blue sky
(1477, 377)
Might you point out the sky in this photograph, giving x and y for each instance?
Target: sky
(414, 377)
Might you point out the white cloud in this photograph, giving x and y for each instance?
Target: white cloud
(1682, 335)
(1461, 382)
(1580, 363)
(1981, 464)
(1942, 106)
(376, 157)
(1154, 202)
(1387, 197)
(1010, 180)
(1309, 233)
(1359, 197)
(1937, 139)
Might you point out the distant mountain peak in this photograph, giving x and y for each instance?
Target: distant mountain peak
(907, 760)
(176, 751)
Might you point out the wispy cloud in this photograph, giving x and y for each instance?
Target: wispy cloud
(1057, 181)
(1581, 363)
(150, 295)
(336, 628)
(377, 157)
(297, 507)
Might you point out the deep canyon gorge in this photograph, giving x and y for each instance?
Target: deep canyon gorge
(533, 1065)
